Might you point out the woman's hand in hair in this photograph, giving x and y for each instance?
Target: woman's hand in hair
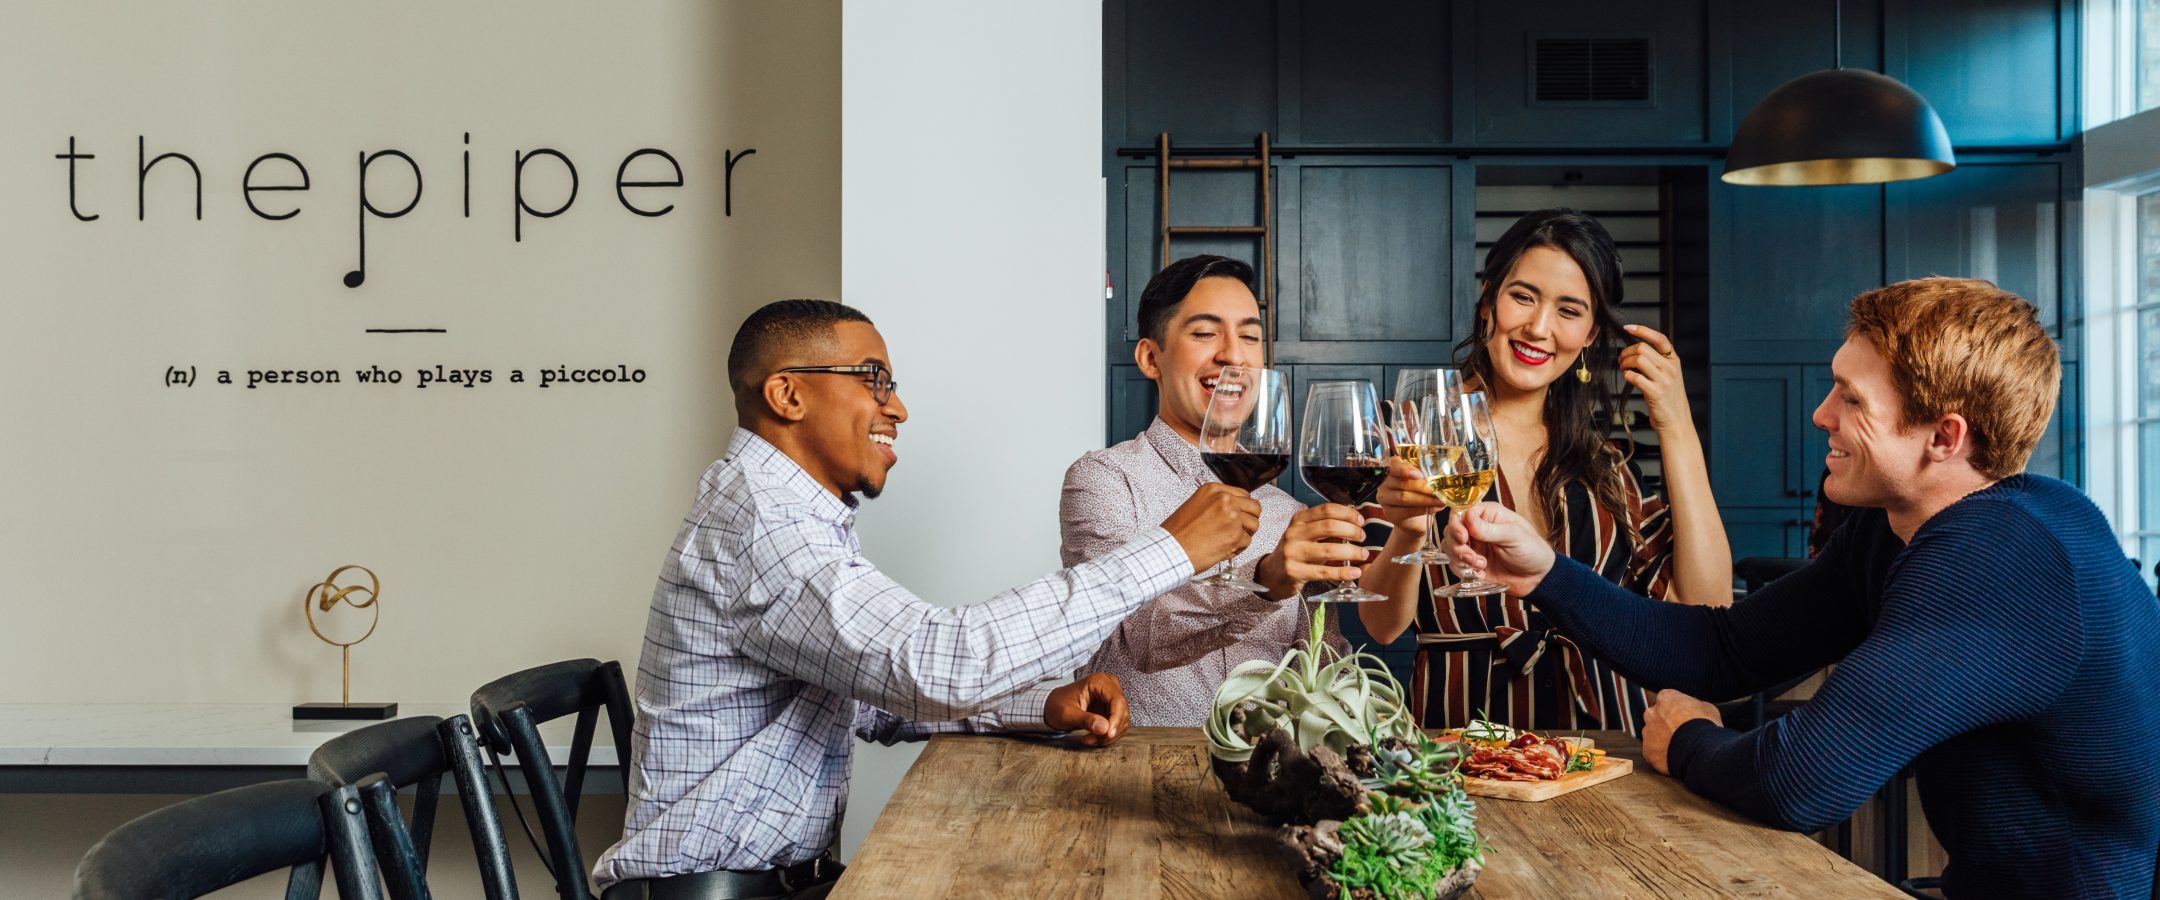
(1654, 369)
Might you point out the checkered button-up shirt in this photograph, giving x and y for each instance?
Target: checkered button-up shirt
(772, 644)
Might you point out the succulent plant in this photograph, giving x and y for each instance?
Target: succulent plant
(1320, 696)
(1395, 836)
(1417, 769)
(1320, 736)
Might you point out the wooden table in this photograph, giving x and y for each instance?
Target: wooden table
(998, 817)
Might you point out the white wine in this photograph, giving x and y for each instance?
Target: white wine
(1462, 491)
(1428, 457)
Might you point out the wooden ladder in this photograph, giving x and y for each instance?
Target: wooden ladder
(1265, 231)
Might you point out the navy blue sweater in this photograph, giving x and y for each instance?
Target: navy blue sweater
(2009, 654)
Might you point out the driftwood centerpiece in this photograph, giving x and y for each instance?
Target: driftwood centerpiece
(1322, 745)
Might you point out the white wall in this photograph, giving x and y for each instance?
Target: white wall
(971, 228)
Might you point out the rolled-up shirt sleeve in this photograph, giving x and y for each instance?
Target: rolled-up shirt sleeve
(818, 611)
(1022, 712)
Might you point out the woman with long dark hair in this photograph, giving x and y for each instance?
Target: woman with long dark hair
(1547, 350)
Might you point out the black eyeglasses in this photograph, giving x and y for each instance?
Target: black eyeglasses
(879, 381)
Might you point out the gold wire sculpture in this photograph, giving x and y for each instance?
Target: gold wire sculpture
(323, 597)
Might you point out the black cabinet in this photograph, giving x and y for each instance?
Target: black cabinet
(1374, 254)
(1999, 72)
(1587, 73)
(1815, 385)
(1766, 455)
(1767, 531)
(1790, 262)
(1197, 197)
(1756, 446)
(1374, 71)
(1366, 251)
(2059, 452)
(1203, 70)
(1132, 402)
(2002, 222)
(1773, 43)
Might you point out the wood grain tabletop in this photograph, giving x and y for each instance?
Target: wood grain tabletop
(998, 817)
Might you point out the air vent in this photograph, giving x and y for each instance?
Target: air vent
(1590, 70)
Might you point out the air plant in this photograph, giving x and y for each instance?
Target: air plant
(1389, 820)
(1321, 696)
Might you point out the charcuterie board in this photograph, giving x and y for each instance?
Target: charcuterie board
(1603, 769)
(1607, 769)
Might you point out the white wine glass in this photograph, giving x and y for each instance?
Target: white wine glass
(1418, 391)
(1461, 466)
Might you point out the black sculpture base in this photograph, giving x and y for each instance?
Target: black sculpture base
(363, 711)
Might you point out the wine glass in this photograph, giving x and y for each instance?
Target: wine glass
(1416, 392)
(1245, 441)
(1460, 466)
(1342, 455)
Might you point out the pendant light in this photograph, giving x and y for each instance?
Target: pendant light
(1839, 126)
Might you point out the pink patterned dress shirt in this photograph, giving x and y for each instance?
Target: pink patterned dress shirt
(1175, 650)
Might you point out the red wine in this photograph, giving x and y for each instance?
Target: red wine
(1246, 470)
(1347, 485)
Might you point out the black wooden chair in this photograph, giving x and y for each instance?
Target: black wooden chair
(508, 713)
(417, 752)
(197, 846)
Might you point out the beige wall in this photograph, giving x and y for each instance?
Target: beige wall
(155, 542)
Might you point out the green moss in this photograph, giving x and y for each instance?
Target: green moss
(1401, 850)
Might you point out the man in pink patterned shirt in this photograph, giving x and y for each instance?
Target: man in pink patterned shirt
(1197, 316)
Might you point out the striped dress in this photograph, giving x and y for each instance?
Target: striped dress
(1495, 657)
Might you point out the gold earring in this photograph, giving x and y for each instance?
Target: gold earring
(1582, 368)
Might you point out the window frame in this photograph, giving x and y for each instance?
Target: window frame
(2121, 165)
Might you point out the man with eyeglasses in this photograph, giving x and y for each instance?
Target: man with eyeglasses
(772, 644)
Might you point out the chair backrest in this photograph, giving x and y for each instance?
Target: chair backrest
(416, 752)
(197, 846)
(1756, 571)
(508, 713)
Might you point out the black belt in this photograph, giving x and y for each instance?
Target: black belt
(728, 884)
(1517, 651)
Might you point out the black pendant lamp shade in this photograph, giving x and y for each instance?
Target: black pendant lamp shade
(1839, 126)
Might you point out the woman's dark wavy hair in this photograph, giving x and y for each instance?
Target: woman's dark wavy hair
(1577, 449)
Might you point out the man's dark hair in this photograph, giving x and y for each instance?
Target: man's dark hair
(1168, 289)
(777, 326)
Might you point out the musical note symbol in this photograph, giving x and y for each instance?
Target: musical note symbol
(358, 275)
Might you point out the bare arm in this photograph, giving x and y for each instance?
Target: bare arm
(1408, 503)
(1702, 555)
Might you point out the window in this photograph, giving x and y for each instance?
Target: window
(2118, 332)
(2148, 55)
(2144, 371)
